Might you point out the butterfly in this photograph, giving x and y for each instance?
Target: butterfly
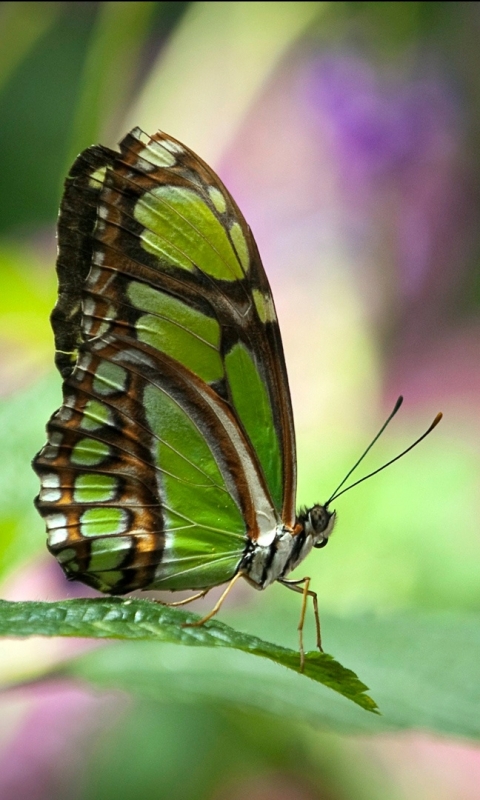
(171, 463)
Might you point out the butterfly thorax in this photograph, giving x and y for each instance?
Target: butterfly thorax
(262, 565)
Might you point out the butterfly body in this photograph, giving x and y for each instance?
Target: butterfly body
(171, 462)
(265, 564)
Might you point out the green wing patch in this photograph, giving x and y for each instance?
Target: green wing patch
(253, 406)
(182, 231)
(205, 525)
(178, 330)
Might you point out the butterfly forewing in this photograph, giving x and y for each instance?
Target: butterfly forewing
(174, 447)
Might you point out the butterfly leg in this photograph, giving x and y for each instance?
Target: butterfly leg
(184, 602)
(217, 605)
(302, 586)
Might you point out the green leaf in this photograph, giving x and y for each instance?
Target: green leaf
(114, 618)
(21, 26)
(423, 668)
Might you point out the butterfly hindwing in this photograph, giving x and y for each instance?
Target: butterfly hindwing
(174, 446)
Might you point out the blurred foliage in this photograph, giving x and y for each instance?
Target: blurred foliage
(207, 723)
(37, 105)
(22, 424)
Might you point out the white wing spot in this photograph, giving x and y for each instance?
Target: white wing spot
(51, 448)
(98, 258)
(156, 154)
(173, 147)
(57, 528)
(58, 536)
(50, 495)
(64, 414)
(50, 491)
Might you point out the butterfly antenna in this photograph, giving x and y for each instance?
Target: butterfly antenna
(389, 419)
(392, 461)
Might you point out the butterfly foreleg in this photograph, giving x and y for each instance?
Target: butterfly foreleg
(302, 586)
(187, 600)
(217, 605)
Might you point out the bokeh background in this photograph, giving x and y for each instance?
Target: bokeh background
(348, 133)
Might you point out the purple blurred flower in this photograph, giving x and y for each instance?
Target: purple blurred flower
(398, 142)
(383, 126)
(40, 757)
(43, 760)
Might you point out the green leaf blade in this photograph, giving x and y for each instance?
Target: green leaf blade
(115, 618)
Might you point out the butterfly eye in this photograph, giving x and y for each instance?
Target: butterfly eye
(319, 518)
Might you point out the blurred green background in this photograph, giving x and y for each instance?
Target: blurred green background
(348, 134)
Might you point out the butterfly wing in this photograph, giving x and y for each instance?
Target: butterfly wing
(174, 447)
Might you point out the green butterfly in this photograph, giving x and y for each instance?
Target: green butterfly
(171, 463)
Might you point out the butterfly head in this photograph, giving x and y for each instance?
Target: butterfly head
(318, 523)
